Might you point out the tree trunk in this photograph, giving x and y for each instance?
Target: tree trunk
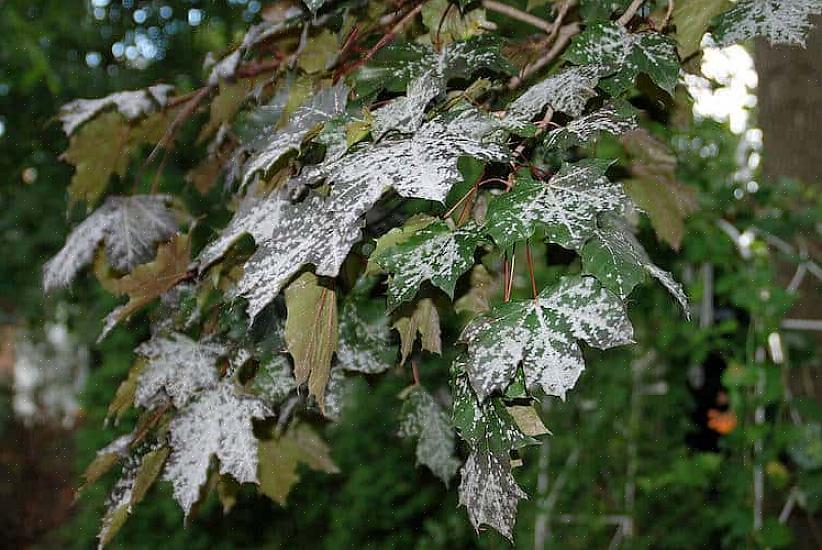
(790, 116)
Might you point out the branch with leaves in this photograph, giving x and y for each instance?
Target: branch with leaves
(386, 167)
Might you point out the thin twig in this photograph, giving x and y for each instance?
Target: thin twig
(566, 32)
(629, 13)
(519, 15)
(415, 372)
(184, 114)
(386, 39)
(563, 11)
(668, 13)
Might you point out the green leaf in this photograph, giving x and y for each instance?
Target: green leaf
(489, 492)
(615, 257)
(612, 119)
(542, 334)
(419, 318)
(435, 253)
(566, 206)
(628, 54)
(425, 419)
(311, 333)
(274, 380)
(446, 23)
(778, 21)
(364, 337)
(396, 236)
(484, 425)
(319, 52)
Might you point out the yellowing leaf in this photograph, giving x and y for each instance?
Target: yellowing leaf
(103, 147)
(280, 456)
(311, 334)
(654, 187)
(423, 320)
(319, 52)
(124, 398)
(446, 24)
(478, 298)
(225, 105)
(528, 420)
(149, 281)
(692, 18)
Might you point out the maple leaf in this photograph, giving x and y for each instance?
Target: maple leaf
(692, 19)
(420, 318)
(337, 393)
(132, 105)
(566, 206)
(567, 91)
(280, 456)
(138, 474)
(778, 21)
(655, 188)
(612, 119)
(396, 65)
(130, 227)
(434, 253)
(487, 424)
(103, 147)
(478, 298)
(311, 333)
(178, 365)
(217, 423)
(321, 230)
(423, 418)
(364, 337)
(618, 260)
(489, 492)
(319, 109)
(274, 379)
(628, 54)
(151, 280)
(542, 334)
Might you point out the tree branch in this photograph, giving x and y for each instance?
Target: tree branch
(629, 13)
(519, 15)
(566, 32)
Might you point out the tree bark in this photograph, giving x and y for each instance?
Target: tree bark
(790, 116)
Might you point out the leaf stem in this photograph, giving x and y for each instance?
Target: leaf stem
(415, 372)
(531, 268)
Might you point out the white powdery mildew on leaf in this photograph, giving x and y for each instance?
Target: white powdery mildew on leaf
(405, 114)
(566, 91)
(130, 227)
(337, 393)
(425, 165)
(322, 230)
(567, 205)
(132, 105)
(363, 342)
(275, 379)
(422, 417)
(628, 54)
(320, 109)
(218, 423)
(179, 365)
(541, 334)
(255, 216)
(120, 496)
(616, 258)
(489, 492)
(778, 21)
(435, 253)
(582, 130)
